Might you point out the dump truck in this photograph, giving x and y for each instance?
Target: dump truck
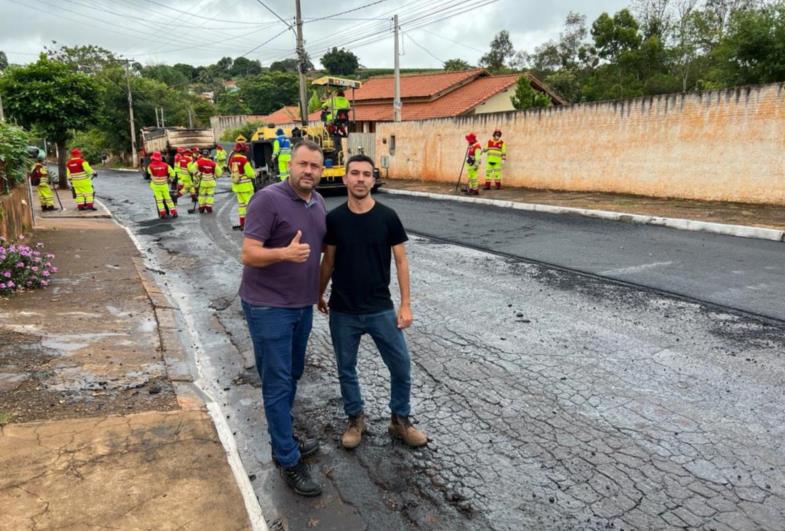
(168, 139)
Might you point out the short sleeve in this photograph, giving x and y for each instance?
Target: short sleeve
(396, 234)
(260, 218)
(330, 237)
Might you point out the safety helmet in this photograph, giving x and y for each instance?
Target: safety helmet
(471, 138)
(279, 132)
(181, 150)
(195, 149)
(156, 156)
(239, 146)
(497, 132)
(218, 146)
(76, 152)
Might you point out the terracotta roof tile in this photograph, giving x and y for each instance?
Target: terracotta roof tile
(414, 86)
(455, 103)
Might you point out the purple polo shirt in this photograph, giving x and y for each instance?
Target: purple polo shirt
(274, 216)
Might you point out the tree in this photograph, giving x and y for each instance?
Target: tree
(287, 65)
(527, 98)
(501, 51)
(269, 92)
(612, 36)
(88, 59)
(3, 61)
(52, 97)
(166, 74)
(340, 62)
(456, 65)
(245, 67)
(231, 103)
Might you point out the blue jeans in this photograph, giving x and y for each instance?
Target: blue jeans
(346, 331)
(279, 337)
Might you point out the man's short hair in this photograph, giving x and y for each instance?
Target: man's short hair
(360, 157)
(310, 145)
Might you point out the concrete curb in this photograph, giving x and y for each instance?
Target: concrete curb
(741, 231)
(182, 374)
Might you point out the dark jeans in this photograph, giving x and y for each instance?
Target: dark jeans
(346, 331)
(279, 337)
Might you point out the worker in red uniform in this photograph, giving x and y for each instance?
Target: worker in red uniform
(472, 162)
(160, 175)
(184, 168)
(207, 171)
(80, 175)
(495, 156)
(242, 180)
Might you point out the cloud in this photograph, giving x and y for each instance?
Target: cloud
(166, 31)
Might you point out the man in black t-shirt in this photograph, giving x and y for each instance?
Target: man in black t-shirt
(362, 236)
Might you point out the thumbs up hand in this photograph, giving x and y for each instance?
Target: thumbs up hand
(297, 252)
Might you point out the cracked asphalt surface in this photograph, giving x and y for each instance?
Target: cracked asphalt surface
(552, 400)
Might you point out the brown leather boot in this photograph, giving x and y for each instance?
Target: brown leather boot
(353, 435)
(498, 185)
(401, 428)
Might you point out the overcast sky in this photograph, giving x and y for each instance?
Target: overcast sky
(201, 32)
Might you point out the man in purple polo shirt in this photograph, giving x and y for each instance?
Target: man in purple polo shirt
(282, 243)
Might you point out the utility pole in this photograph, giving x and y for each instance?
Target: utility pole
(134, 154)
(190, 119)
(2, 114)
(397, 90)
(163, 122)
(157, 121)
(301, 65)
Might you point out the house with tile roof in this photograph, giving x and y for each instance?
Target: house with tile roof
(439, 95)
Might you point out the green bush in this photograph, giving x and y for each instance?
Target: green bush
(14, 160)
(92, 142)
(247, 130)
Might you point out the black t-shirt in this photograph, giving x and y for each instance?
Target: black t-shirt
(363, 250)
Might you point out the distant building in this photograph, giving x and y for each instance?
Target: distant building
(439, 95)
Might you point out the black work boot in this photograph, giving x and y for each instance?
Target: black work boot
(298, 478)
(307, 447)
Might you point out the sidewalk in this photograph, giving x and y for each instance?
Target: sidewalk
(750, 215)
(99, 425)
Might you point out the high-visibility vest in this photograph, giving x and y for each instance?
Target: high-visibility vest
(77, 170)
(159, 172)
(474, 153)
(206, 168)
(40, 174)
(240, 173)
(495, 148)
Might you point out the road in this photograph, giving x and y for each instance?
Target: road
(553, 400)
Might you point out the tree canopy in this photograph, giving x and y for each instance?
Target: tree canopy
(340, 62)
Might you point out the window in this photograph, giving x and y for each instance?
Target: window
(392, 144)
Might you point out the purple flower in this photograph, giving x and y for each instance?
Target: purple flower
(34, 269)
(2, 285)
(44, 282)
(10, 284)
(7, 274)
(36, 260)
(45, 273)
(20, 264)
(55, 270)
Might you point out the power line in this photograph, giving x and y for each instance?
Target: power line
(197, 16)
(423, 48)
(265, 42)
(288, 25)
(347, 11)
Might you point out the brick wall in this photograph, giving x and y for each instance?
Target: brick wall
(724, 145)
(15, 213)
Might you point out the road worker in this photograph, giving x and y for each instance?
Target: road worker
(184, 167)
(206, 171)
(495, 156)
(160, 174)
(282, 153)
(221, 156)
(473, 156)
(80, 175)
(242, 180)
(39, 177)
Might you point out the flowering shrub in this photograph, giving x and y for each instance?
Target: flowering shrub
(24, 267)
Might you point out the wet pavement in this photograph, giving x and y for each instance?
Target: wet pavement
(553, 400)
